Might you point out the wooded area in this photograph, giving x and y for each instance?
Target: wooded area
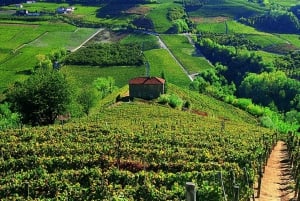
(107, 55)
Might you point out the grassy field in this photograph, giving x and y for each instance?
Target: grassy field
(161, 61)
(158, 15)
(286, 3)
(291, 38)
(229, 27)
(186, 53)
(229, 8)
(20, 43)
(145, 40)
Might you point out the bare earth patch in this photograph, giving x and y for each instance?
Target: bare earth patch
(140, 10)
(106, 36)
(277, 180)
(208, 19)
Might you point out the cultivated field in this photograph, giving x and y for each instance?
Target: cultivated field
(188, 56)
(21, 43)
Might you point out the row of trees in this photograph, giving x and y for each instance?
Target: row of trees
(245, 75)
(274, 21)
(290, 64)
(107, 55)
(238, 64)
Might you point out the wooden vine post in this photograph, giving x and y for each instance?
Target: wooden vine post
(236, 192)
(190, 191)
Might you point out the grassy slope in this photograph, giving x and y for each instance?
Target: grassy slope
(22, 42)
(160, 60)
(186, 53)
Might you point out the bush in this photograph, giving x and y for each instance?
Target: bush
(242, 103)
(172, 100)
(267, 122)
(175, 101)
(163, 99)
(255, 110)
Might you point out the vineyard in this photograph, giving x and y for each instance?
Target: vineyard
(134, 151)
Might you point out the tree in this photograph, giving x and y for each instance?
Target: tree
(104, 85)
(87, 99)
(42, 97)
(8, 119)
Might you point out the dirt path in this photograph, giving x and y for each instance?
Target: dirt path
(276, 181)
(164, 46)
(84, 42)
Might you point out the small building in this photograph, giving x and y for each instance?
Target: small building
(22, 12)
(146, 87)
(63, 10)
(19, 5)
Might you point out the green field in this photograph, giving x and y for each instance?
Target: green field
(291, 38)
(21, 43)
(158, 15)
(229, 8)
(161, 61)
(147, 41)
(229, 27)
(186, 53)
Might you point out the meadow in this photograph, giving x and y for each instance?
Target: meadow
(228, 8)
(186, 53)
(21, 43)
(161, 61)
(158, 15)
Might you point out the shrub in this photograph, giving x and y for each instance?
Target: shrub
(163, 99)
(175, 101)
(267, 122)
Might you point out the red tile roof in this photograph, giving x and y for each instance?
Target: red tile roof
(147, 80)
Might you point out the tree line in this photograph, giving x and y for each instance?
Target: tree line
(107, 55)
(274, 21)
(246, 76)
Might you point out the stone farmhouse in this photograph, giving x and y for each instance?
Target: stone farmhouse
(146, 87)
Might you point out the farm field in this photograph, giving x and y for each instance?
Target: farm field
(133, 151)
(161, 61)
(229, 8)
(186, 53)
(138, 149)
(85, 75)
(21, 45)
(158, 15)
(146, 41)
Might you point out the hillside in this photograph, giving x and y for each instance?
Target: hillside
(135, 150)
(145, 150)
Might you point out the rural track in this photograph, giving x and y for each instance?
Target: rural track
(87, 40)
(164, 46)
(277, 180)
